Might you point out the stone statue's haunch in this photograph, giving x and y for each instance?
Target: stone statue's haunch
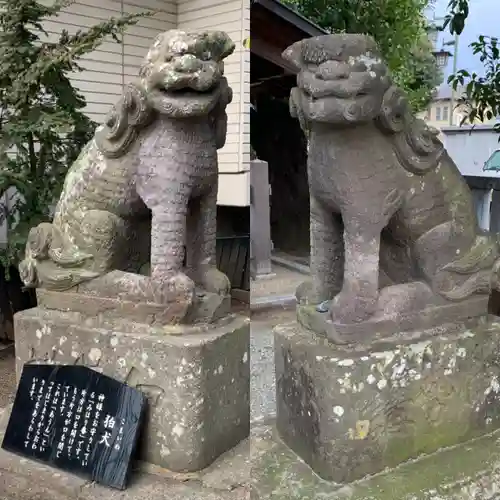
(394, 237)
(145, 187)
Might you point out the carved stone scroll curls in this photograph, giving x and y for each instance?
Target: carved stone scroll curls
(417, 145)
(124, 121)
(394, 111)
(418, 148)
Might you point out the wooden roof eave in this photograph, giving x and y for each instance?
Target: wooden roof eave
(294, 25)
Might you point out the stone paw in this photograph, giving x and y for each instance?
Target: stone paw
(27, 272)
(214, 281)
(348, 308)
(181, 282)
(175, 286)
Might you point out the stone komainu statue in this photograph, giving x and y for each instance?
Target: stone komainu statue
(145, 187)
(394, 237)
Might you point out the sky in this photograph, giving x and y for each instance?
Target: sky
(483, 20)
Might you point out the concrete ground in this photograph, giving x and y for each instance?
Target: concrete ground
(262, 385)
(277, 289)
(283, 281)
(272, 303)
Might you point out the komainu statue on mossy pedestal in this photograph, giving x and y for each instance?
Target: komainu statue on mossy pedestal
(395, 243)
(144, 190)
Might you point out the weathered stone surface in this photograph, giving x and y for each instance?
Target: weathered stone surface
(205, 308)
(470, 471)
(393, 228)
(23, 479)
(228, 478)
(381, 327)
(467, 472)
(143, 192)
(26, 486)
(349, 411)
(197, 378)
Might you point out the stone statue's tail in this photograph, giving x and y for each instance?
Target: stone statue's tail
(49, 262)
(37, 248)
(478, 271)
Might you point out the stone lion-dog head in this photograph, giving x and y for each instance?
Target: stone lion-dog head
(342, 78)
(343, 81)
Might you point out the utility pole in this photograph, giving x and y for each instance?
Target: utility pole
(455, 59)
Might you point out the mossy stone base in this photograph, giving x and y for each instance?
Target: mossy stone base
(353, 411)
(470, 471)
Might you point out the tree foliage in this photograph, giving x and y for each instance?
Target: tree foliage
(42, 124)
(419, 75)
(458, 12)
(481, 92)
(398, 26)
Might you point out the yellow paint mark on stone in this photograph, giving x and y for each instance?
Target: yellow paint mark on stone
(361, 431)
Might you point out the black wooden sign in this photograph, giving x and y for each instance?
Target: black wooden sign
(77, 420)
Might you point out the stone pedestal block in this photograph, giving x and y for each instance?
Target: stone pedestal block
(196, 378)
(349, 412)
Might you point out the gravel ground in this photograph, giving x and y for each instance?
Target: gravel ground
(7, 379)
(284, 282)
(262, 383)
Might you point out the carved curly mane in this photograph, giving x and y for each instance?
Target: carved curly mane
(125, 120)
(416, 145)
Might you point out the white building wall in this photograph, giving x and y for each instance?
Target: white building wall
(113, 64)
(471, 148)
(233, 17)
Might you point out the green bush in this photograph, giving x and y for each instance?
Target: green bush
(42, 124)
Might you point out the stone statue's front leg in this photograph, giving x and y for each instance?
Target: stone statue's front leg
(359, 295)
(327, 255)
(168, 233)
(201, 244)
(358, 298)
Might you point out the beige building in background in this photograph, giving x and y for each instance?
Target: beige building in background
(439, 112)
(113, 65)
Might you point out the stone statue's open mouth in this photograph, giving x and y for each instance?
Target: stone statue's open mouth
(188, 92)
(184, 103)
(355, 85)
(336, 110)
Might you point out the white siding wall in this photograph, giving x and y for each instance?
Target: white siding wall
(107, 69)
(233, 17)
(138, 38)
